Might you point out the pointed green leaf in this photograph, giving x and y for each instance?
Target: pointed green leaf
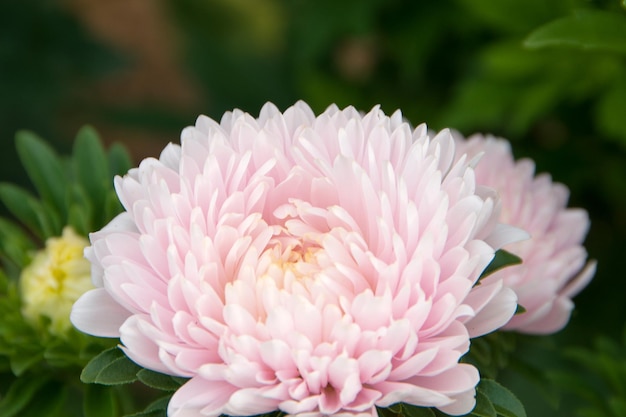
(24, 207)
(501, 260)
(99, 401)
(91, 167)
(504, 401)
(157, 380)
(110, 367)
(20, 394)
(81, 210)
(14, 243)
(586, 29)
(119, 160)
(44, 169)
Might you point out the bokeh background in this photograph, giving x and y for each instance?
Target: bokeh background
(141, 70)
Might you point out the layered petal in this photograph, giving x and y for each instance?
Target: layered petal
(313, 264)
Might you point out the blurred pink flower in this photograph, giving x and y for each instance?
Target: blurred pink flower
(316, 265)
(553, 268)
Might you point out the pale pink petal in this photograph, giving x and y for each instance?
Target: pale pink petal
(105, 321)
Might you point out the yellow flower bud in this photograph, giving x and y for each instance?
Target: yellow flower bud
(57, 276)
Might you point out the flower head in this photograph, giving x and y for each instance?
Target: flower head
(553, 268)
(57, 276)
(316, 265)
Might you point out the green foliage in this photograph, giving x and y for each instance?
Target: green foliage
(595, 378)
(77, 191)
(111, 367)
(502, 259)
(586, 29)
(492, 353)
(504, 401)
(72, 191)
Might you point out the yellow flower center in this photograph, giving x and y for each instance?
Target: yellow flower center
(57, 276)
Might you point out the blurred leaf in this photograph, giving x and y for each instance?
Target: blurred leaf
(59, 355)
(610, 111)
(99, 401)
(157, 380)
(25, 207)
(24, 360)
(502, 259)
(119, 161)
(503, 400)
(44, 169)
(515, 16)
(20, 394)
(81, 209)
(110, 367)
(586, 29)
(91, 168)
(14, 243)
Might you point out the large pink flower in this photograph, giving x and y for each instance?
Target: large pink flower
(318, 266)
(553, 268)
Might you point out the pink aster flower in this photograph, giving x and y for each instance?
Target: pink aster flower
(317, 265)
(553, 268)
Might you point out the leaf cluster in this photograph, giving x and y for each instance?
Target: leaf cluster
(112, 368)
(75, 191)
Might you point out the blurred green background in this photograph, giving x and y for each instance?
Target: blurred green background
(548, 75)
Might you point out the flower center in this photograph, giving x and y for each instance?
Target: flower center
(295, 263)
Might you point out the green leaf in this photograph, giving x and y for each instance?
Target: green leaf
(44, 169)
(91, 167)
(110, 367)
(25, 207)
(406, 410)
(610, 111)
(20, 394)
(414, 411)
(14, 243)
(157, 380)
(99, 401)
(484, 407)
(81, 210)
(119, 160)
(504, 401)
(25, 360)
(157, 408)
(586, 29)
(517, 16)
(501, 260)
